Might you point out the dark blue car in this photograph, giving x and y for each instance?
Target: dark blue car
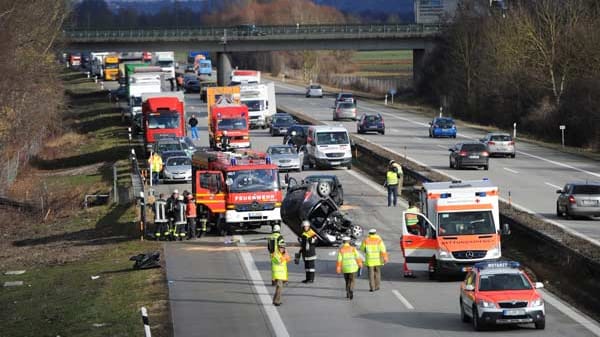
(370, 123)
(442, 127)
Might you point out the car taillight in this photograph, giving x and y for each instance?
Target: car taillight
(511, 143)
(307, 195)
(485, 153)
(571, 199)
(463, 153)
(491, 143)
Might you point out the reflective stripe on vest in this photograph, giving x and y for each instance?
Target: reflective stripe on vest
(279, 266)
(412, 219)
(160, 211)
(392, 178)
(347, 258)
(180, 218)
(374, 250)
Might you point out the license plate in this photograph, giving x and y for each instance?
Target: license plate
(514, 312)
(335, 163)
(474, 157)
(255, 214)
(589, 202)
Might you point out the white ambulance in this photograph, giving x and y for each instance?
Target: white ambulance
(459, 226)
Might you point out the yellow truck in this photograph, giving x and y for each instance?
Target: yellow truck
(111, 68)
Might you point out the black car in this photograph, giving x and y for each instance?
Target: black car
(469, 155)
(192, 86)
(296, 135)
(333, 188)
(280, 124)
(370, 122)
(203, 89)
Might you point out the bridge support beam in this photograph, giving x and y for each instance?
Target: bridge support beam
(223, 68)
(419, 56)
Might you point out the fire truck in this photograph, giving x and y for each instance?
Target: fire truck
(238, 190)
(459, 226)
(227, 117)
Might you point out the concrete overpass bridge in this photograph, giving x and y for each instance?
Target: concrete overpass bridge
(225, 40)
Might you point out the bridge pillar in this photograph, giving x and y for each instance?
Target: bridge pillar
(418, 67)
(223, 69)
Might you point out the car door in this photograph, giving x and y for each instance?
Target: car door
(208, 189)
(418, 249)
(468, 293)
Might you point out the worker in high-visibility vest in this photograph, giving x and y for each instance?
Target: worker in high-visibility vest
(348, 262)
(279, 271)
(375, 257)
(391, 182)
(412, 220)
(156, 165)
(273, 242)
(398, 167)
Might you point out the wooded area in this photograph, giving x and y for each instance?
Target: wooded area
(538, 65)
(30, 94)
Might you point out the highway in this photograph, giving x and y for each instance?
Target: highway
(532, 178)
(224, 289)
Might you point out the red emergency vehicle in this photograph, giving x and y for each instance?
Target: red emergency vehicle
(238, 190)
(147, 57)
(163, 116)
(229, 119)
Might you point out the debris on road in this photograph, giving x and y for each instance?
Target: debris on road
(13, 283)
(146, 261)
(15, 272)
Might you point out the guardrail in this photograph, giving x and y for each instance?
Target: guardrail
(257, 33)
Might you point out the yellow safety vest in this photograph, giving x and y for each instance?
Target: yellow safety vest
(348, 259)
(374, 249)
(411, 219)
(279, 266)
(156, 163)
(392, 178)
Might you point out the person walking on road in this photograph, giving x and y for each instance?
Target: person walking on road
(180, 221)
(375, 257)
(190, 215)
(274, 241)
(193, 122)
(279, 271)
(391, 182)
(308, 252)
(156, 165)
(161, 222)
(348, 262)
(398, 167)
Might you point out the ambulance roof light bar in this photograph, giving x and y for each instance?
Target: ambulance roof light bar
(496, 265)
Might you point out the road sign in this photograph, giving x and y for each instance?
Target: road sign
(392, 92)
(563, 127)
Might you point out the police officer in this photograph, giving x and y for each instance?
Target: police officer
(179, 219)
(161, 221)
(279, 271)
(307, 251)
(348, 262)
(375, 257)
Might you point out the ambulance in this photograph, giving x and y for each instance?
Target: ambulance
(458, 227)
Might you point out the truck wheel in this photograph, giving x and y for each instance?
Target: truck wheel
(540, 325)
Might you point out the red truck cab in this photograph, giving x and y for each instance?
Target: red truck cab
(163, 116)
(231, 120)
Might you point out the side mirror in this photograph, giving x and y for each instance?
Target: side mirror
(451, 150)
(429, 123)
(539, 285)
(559, 191)
(469, 287)
(505, 229)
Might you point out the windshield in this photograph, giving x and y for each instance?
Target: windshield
(179, 161)
(509, 281)
(473, 147)
(165, 63)
(255, 105)
(136, 101)
(255, 180)
(170, 121)
(444, 123)
(586, 189)
(373, 118)
(164, 147)
(501, 138)
(315, 87)
(466, 223)
(233, 124)
(346, 96)
(332, 138)
(281, 150)
(205, 65)
(111, 66)
(346, 105)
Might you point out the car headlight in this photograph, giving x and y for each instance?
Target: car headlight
(537, 302)
(493, 253)
(486, 304)
(444, 254)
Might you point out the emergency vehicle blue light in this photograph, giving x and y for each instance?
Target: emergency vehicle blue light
(233, 162)
(496, 264)
(486, 179)
(480, 194)
(445, 195)
(268, 160)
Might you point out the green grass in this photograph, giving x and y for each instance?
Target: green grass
(382, 55)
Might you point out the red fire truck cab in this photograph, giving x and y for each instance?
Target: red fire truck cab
(231, 120)
(163, 116)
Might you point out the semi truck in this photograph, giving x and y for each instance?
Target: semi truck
(142, 80)
(244, 77)
(163, 115)
(260, 100)
(165, 60)
(458, 226)
(227, 117)
(202, 63)
(97, 63)
(111, 67)
(238, 190)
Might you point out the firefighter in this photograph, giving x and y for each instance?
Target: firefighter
(348, 262)
(190, 215)
(308, 252)
(156, 165)
(161, 220)
(180, 221)
(171, 201)
(375, 257)
(274, 241)
(279, 272)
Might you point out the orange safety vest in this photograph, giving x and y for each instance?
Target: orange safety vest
(348, 260)
(190, 209)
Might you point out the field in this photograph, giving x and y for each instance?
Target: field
(382, 64)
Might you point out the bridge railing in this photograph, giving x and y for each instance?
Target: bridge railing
(257, 32)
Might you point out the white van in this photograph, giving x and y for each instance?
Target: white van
(328, 146)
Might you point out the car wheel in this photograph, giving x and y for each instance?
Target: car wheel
(477, 326)
(513, 155)
(356, 232)
(540, 325)
(463, 316)
(486, 167)
(349, 166)
(324, 189)
(558, 212)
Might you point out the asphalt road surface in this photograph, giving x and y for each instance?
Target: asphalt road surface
(222, 289)
(532, 178)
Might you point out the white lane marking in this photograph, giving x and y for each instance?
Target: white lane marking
(403, 300)
(510, 170)
(555, 186)
(279, 328)
(560, 164)
(569, 311)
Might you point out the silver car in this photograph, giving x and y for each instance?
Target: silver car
(499, 144)
(314, 90)
(344, 110)
(286, 157)
(177, 169)
(579, 199)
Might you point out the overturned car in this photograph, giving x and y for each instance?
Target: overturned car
(310, 201)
